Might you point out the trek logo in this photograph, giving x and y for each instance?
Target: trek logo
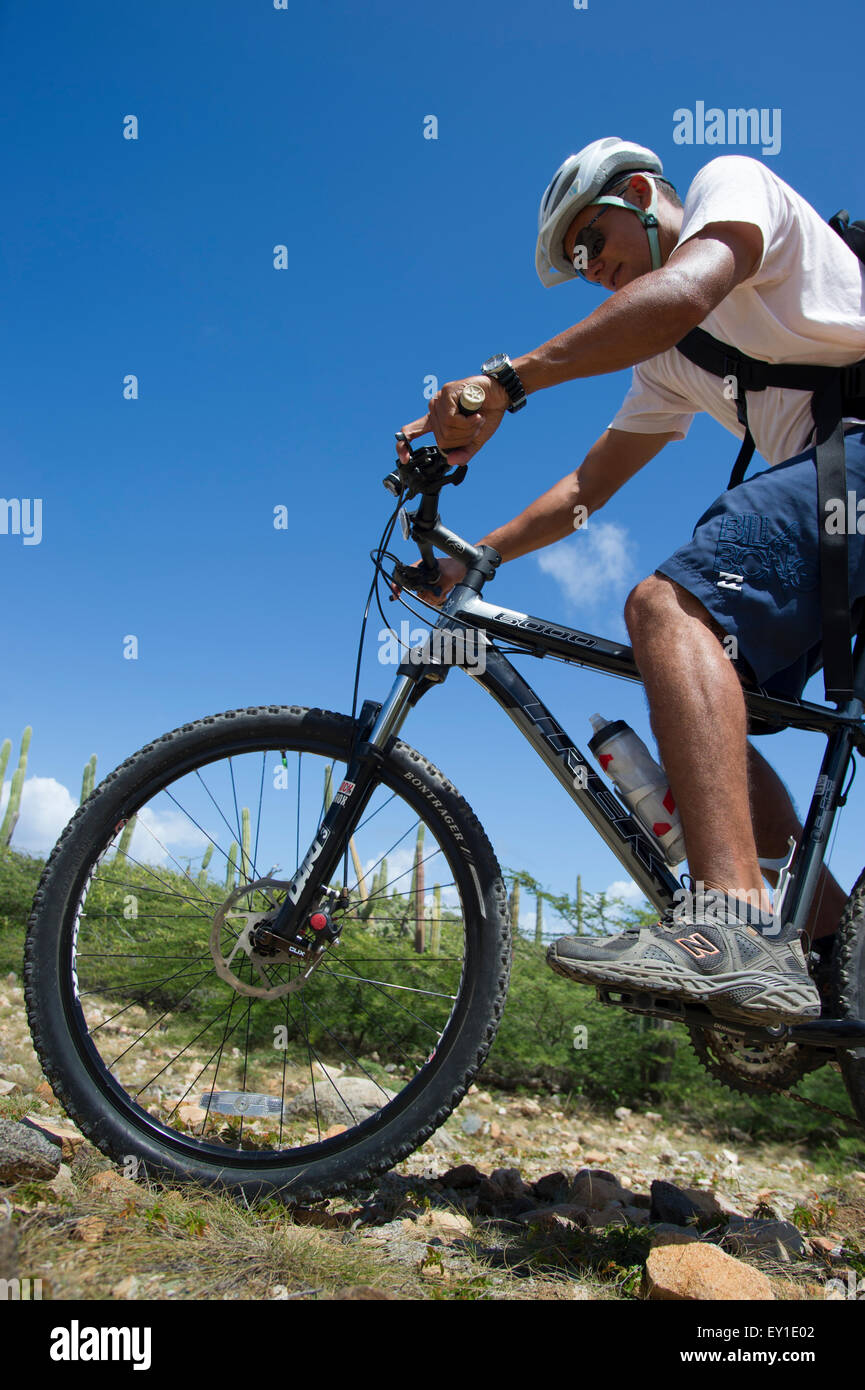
(298, 883)
(697, 945)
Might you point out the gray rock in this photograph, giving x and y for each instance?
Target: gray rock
(465, 1175)
(355, 1100)
(510, 1182)
(753, 1234)
(552, 1187)
(672, 1206)
(472, 1123)
(26, 1154)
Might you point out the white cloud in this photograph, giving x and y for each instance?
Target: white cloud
(627, 889)
(594, 568)
(159, 835)
(46, 806)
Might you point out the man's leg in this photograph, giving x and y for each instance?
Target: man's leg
(698, 716)
(774, 819)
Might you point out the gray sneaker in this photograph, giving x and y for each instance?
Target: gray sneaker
(710, 954)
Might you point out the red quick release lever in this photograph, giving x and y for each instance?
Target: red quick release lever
(318, 921)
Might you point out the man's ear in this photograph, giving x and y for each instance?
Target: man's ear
(639, 191)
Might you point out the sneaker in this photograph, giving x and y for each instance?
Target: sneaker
(711, 954)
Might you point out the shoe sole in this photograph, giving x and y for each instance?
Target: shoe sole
(781, 999)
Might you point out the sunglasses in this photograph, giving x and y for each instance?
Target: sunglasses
(588, 246)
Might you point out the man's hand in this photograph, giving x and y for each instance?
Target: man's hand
(452, 573)
(461, 435)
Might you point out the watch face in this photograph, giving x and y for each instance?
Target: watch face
(495, 363)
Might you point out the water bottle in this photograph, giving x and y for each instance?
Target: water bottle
(642, 783)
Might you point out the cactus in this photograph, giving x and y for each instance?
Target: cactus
(382, 882)
(328, 786)
(10, 819)
(539, 920)
(231, 868)
(125, 840)
(515, 907)
(436, 929)
(4, 758)
(245, 840)
(418, 892)
(88, 781)
(202, 873)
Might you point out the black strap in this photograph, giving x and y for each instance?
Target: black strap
(834, 580)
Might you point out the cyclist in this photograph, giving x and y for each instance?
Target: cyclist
(752, 262)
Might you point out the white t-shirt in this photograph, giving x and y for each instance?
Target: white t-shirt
(805, 302)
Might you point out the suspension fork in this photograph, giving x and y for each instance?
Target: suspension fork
(376, 725)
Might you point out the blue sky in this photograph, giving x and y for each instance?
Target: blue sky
(257, 387)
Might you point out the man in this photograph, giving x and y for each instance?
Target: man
(749, 260)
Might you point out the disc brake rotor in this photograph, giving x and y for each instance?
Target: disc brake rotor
(243, 946)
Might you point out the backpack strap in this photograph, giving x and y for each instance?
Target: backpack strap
(828, 410)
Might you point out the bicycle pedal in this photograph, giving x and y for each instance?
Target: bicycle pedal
(667, 1006)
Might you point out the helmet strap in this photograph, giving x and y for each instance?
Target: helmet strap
(648, 217)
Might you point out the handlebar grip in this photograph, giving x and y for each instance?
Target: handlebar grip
(471, 399)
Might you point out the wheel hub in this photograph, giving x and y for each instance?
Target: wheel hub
(254, 942)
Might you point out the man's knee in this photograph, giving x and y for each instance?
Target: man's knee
(657, 600)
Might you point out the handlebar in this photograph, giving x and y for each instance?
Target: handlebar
(426, 473)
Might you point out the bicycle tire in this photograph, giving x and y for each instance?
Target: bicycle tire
(848, 978)
(110, 1117)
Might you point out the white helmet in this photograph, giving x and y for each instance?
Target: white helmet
(576, 184)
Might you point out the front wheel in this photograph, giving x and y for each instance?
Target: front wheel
(259, 1074)
(848, 964)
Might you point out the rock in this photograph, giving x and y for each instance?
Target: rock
(652, 1115)
(89, 1229)
(328, 1220)
(64, 1132)
(26, 1154)
(446, 1226)
(830, 1246)
(465, 1175)
(509, 1182)
(356, 1099)
(44, 1092)
(672, 1205)
(63, 1184)
(666, 1234)
(528, 1107)
(597, 1188)
(699, 1271)
(127, 1288)
(189, 1112)
(111, 1184)
(777, 1238)
(596, 1156)
(622, 1112)
(552, 1188)
(472, 1123)
(9, 1088)
(710, 1204)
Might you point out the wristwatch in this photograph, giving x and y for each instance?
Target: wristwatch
(499, 368)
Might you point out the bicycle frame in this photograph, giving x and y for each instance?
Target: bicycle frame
(638, 853)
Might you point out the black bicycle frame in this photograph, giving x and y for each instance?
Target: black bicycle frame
(639, 854)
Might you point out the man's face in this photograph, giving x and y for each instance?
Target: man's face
(625, 254)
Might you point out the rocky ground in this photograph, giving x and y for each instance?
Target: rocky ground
(516, 1197)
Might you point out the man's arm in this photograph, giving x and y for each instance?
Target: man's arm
(651, 314)
(608, 465)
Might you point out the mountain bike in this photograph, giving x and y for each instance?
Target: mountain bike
(228, 1023)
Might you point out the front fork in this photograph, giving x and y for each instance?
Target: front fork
(375, 726)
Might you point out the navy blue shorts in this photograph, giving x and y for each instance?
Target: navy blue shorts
(753, 562)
